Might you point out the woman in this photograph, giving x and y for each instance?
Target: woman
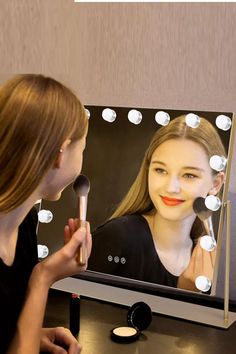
(43, 132)
(152, 236)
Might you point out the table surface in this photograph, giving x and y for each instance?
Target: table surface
(164, 335)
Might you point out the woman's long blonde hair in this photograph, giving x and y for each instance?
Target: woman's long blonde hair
(137, 200)
(37, 114)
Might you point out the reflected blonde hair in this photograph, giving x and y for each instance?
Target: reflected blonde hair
(137, 200)
(37, 114)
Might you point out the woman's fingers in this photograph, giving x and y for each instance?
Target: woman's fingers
(85, 248)
(72, 225)
(198, 261)
(67, 235)
(203, 262)
(70, 228)
(84, 244)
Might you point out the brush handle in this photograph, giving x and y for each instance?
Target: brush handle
(82, 208)
(209, 227)
(82, 213)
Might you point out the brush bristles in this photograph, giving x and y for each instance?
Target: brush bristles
(81, 186)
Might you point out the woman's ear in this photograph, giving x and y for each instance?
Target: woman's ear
(58, 160)
(218, 181)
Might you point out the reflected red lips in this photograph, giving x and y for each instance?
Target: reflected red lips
(171, 201)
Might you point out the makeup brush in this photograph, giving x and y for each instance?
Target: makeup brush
(204, 215)
(200, 209)
(81, 188)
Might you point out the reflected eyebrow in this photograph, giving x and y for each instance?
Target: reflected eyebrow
(183, 168)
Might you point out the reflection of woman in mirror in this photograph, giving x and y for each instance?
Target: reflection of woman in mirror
(153, 235)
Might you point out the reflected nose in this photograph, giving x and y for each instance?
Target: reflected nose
(173, 185)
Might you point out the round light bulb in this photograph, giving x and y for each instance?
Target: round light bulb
(212, 202)
(218, 163)
(135, 116)
(162, 118)
(202, 283)
(192, 120)
(207, 243)
(43, 251)
(223, 122)
(109, 115)
(45, 216)
(87, 112)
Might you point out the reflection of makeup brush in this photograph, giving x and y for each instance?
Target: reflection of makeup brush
(81, 187)
(204, 215)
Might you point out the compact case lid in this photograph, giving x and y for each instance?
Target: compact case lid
(139, 316)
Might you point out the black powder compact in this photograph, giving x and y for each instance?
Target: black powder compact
(139, 318)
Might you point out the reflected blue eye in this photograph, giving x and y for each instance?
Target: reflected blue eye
(189, 176)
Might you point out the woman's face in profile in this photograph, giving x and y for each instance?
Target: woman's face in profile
(179, 172)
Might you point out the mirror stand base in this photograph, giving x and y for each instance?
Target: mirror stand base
(160, 305)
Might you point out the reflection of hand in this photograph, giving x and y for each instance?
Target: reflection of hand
(53, 340)
(201, 263)
(64, 262)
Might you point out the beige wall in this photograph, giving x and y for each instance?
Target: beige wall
(173, 55)
(164, 55)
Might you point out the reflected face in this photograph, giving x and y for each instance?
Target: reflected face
(70, 168)
(179, 172)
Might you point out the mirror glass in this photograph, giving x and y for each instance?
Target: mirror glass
(165, 233)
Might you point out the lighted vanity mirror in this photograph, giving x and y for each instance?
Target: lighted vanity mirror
(166, 228)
